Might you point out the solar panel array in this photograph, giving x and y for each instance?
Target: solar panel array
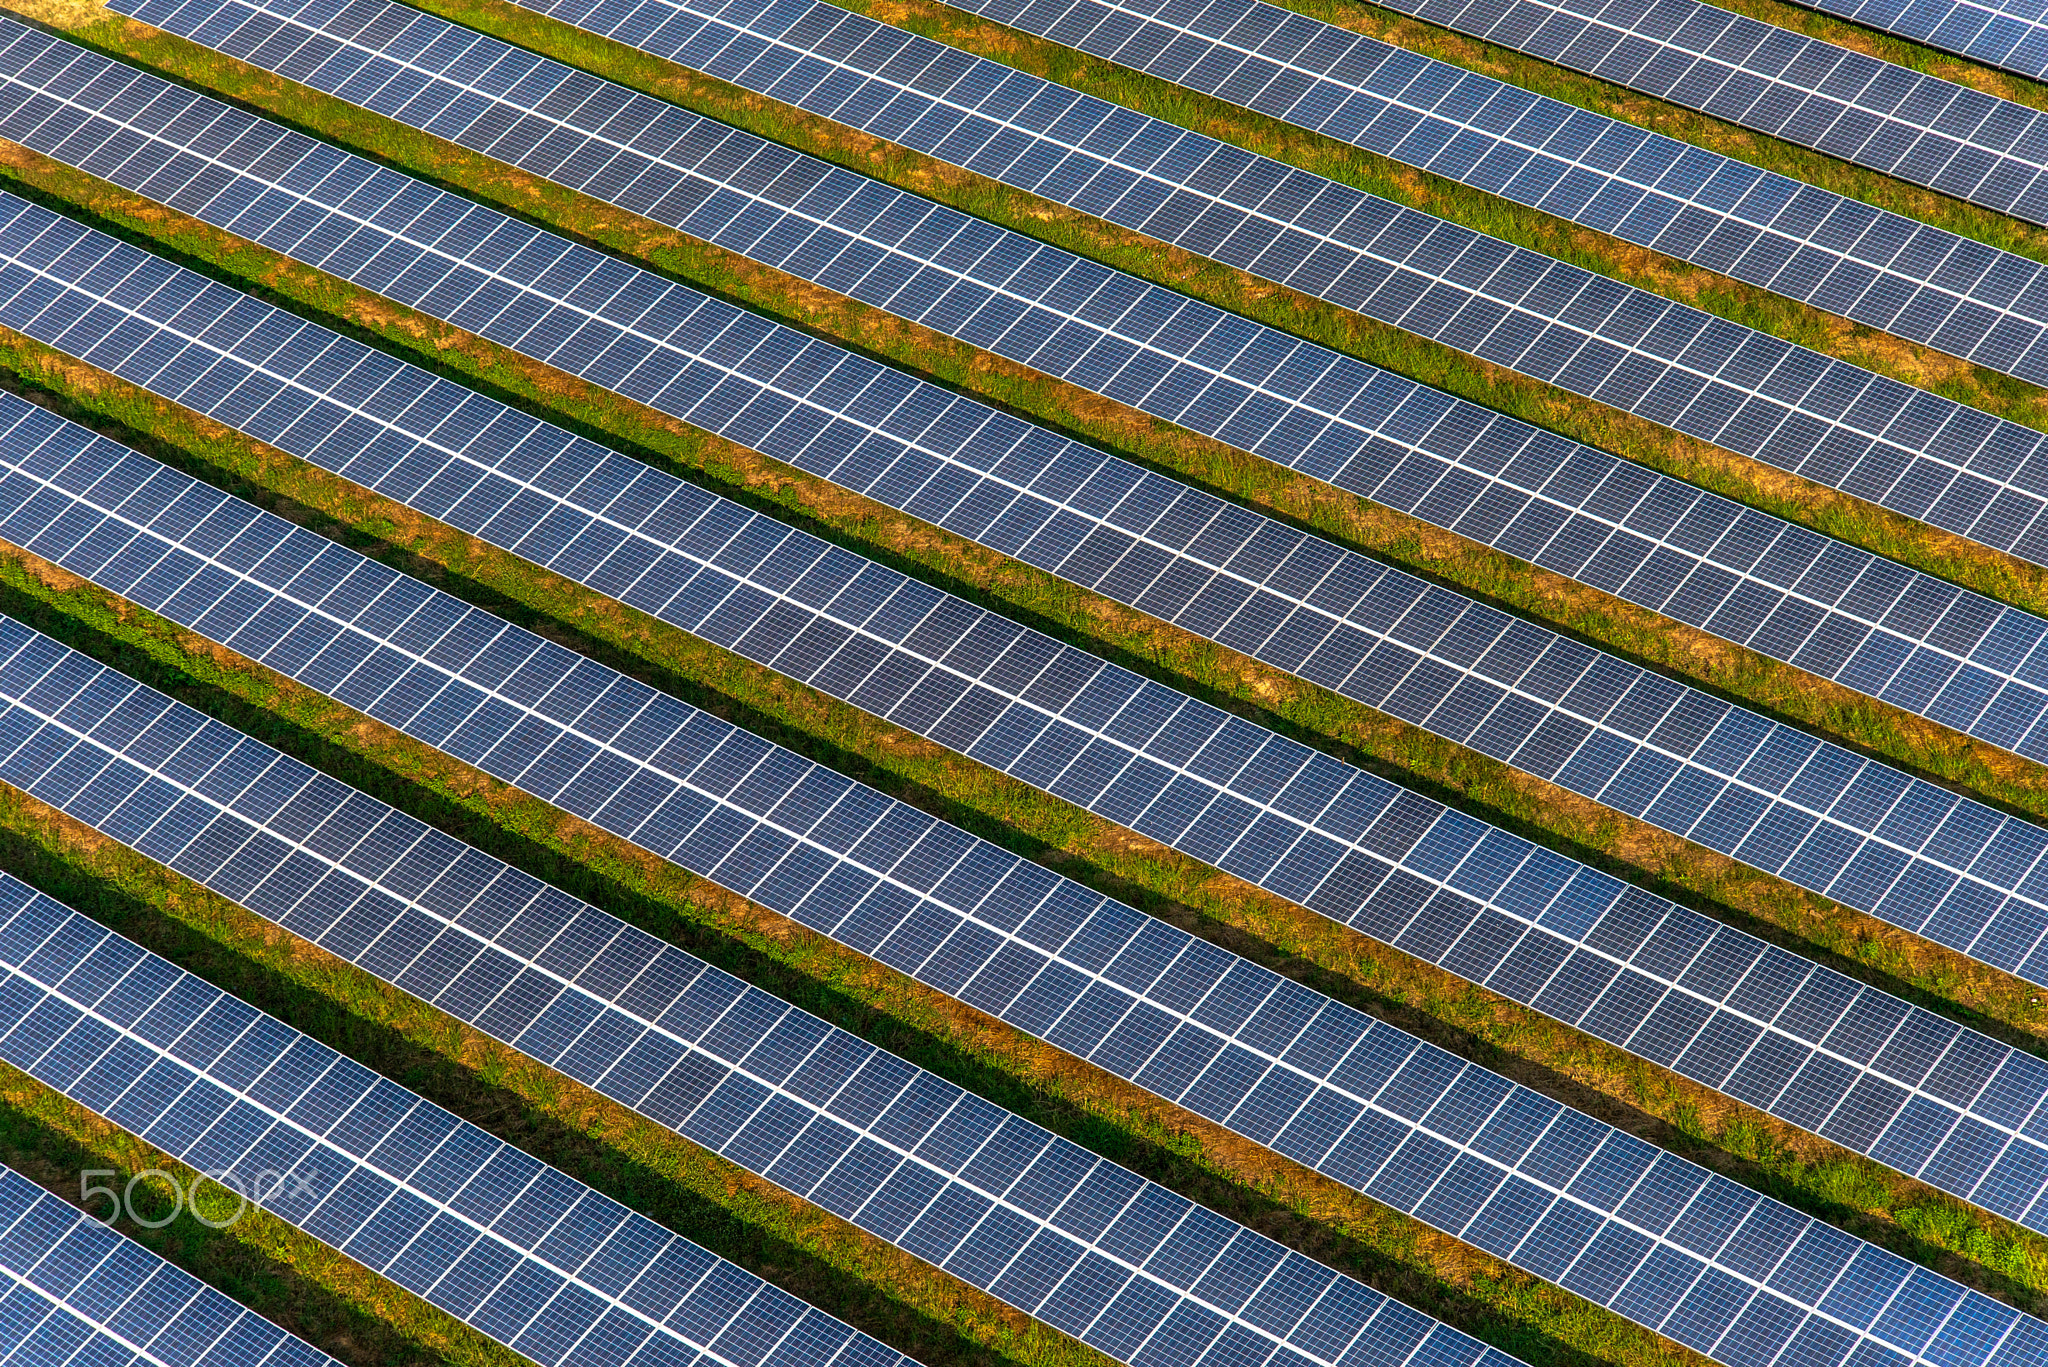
(1728, 1010)
(77, 1293)
(871, 635)
(1031, 944)
(1883, 269)
(1751, 578)
(1838, 824)
(1131, 1268)
(520, 1251)
(1916, 127)
(1911, 451)
(1657, 1238)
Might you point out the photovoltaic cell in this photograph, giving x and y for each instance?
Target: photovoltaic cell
(1912, 854)
(1911, 451)
(1919, 128)
(1918, 281)
(519, 1251)
(73, 1291)
(1746, 576)
(1039, 1222)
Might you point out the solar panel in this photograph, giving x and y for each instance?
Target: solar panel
(1733, 1014)
(75, 1292)
(1911, 451)
(1910, 853)
(1090, 1248)
(1807, 91)
(520, 1251)
(1882, 269)
(2006, 33)
(1751, 578)
(859, 631)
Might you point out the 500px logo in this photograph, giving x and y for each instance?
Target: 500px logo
(246, 1190)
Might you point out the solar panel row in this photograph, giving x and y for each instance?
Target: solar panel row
(1783, 801)
(78, 1294)
(1769, 230)
(1133, 1269)
(1659, 1239)
(1908, 638)
(1715, 1004)
(1911, 451)
(1848, 104)
(520, 1251)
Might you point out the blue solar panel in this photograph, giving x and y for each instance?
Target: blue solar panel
(1832, 822)
(2005, 33)
(1705, 54)
(515, 1249)
(643, 534)
(72, 1291)
(1318, 1081)
(843, 622)
(1911, 451)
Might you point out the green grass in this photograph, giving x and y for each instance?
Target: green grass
(870, 1284)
